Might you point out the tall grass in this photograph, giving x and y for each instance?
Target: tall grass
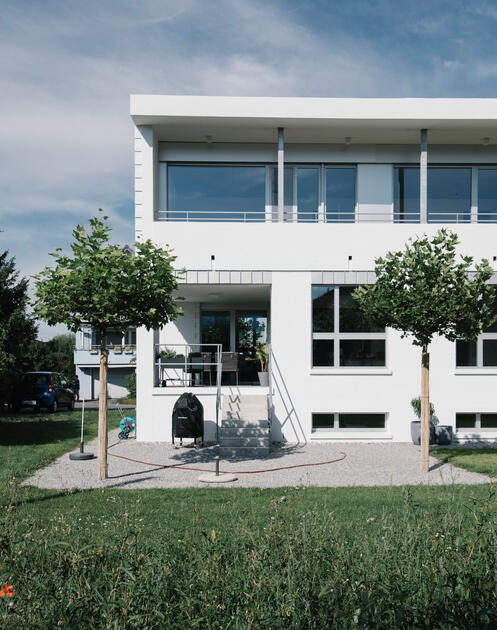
(282, 567)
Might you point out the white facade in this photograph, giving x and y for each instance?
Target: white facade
(121, 363)
(242, 266)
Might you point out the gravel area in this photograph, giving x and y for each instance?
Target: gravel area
(365, 464)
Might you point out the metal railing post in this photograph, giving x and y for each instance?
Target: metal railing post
(218, 389)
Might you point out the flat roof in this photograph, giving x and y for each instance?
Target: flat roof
(256, 119)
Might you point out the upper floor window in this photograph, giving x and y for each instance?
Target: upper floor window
(449, 195)
(342, 336)
(216, 192)
(479, 353)
(487, 194)
(304, 194)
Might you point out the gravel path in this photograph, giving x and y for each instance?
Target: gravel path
(365, 464)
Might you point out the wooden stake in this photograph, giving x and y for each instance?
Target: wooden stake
(425, 410)
(102, 413)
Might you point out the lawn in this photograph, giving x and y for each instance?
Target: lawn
(480, 460)
(420, 557)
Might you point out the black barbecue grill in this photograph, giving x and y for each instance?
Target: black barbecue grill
(188, 419)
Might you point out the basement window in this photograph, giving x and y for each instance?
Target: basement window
(466, 421)
(344, 421)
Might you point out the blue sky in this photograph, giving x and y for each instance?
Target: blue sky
(67, 69)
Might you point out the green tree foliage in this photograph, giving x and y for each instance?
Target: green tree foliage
(17, 329)
(424, 291)
(104, 286)
(54, 355)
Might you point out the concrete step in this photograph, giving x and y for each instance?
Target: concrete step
(248, 416)
(247, 452)
(233, 423)
(233, 432)
(244, 442)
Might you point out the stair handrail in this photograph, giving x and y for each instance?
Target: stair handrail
(270, 383)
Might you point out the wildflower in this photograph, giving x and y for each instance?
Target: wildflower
(7, 590)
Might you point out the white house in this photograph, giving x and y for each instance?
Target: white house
(277, 208)
(121, 361)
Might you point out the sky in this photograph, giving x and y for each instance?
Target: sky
(67, 69)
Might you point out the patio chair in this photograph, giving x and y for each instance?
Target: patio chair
(229, 363)
(207, 366)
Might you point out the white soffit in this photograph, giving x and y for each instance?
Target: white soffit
(256, 119)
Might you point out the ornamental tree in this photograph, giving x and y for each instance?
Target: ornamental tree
(106, 287)
(424, 291)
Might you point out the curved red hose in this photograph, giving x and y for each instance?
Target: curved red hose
(232, 472)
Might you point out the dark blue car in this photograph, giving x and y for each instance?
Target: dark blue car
(43, 390)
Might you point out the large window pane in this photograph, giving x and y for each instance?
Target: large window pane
(340, 195)
(488, 420)
(490, 352)
(361, 421)
(465, 420)
(216, 329)
(322, 421)
(487, 194)
(322, 309)
(406, 195)
(216, 192)
(449, 195)
(352, 318)
(322, 352)
(362, 352)
(465, 353)
(307, 194)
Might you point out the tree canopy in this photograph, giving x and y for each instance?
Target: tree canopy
(423, 291)
(17, 328)
(102, 285)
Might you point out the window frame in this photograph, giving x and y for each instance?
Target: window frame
(338, 336)
(336, 422)
(484, 336)
(477, 426)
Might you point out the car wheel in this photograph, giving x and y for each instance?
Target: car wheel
(54, 406)
(71, 405)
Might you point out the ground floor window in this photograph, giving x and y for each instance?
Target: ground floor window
(342, 336)
(333, 421)
(476, 421)
(479, 353)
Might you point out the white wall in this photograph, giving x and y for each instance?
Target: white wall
(292, 251)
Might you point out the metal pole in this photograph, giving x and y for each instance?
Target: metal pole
(82, 426)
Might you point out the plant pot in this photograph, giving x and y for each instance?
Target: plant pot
(416, 432)
(444, 434)
(263, 379)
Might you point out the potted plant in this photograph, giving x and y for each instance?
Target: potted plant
(416, 424)
(262, 355)
(169, 357)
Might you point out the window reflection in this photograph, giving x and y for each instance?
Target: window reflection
(449, 195)
(340, 195)
(487, 194)
(235, 193)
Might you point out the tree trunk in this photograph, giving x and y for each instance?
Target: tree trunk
(102, 411)
(425, 410)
